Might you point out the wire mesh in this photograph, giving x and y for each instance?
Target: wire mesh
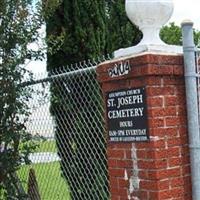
(68, 119)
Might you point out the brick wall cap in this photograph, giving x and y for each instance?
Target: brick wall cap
(150, 48)
(119, 59)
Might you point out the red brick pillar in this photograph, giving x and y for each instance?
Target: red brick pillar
(158, 169)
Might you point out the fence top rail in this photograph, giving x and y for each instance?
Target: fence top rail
(69, 71)
(51, 76)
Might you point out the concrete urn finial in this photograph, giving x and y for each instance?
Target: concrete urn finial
(149, 16)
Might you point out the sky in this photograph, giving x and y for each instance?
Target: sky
(186, 9)
(183, 9)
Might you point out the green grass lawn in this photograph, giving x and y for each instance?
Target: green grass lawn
(51, 185)
(47, 146)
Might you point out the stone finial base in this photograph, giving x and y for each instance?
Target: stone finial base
(169, 49)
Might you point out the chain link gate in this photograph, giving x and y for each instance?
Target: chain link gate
(68, 121)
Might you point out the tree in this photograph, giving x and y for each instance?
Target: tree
(171, 34)
(78, 27)
(121, 33)
(18, 28)
(81, 30)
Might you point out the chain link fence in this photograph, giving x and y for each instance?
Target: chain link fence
(67, 118)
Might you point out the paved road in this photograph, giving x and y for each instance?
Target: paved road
(44, 157)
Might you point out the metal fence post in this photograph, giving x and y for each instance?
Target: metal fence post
(192, 105)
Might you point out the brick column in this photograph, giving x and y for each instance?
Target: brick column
(158, 169)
